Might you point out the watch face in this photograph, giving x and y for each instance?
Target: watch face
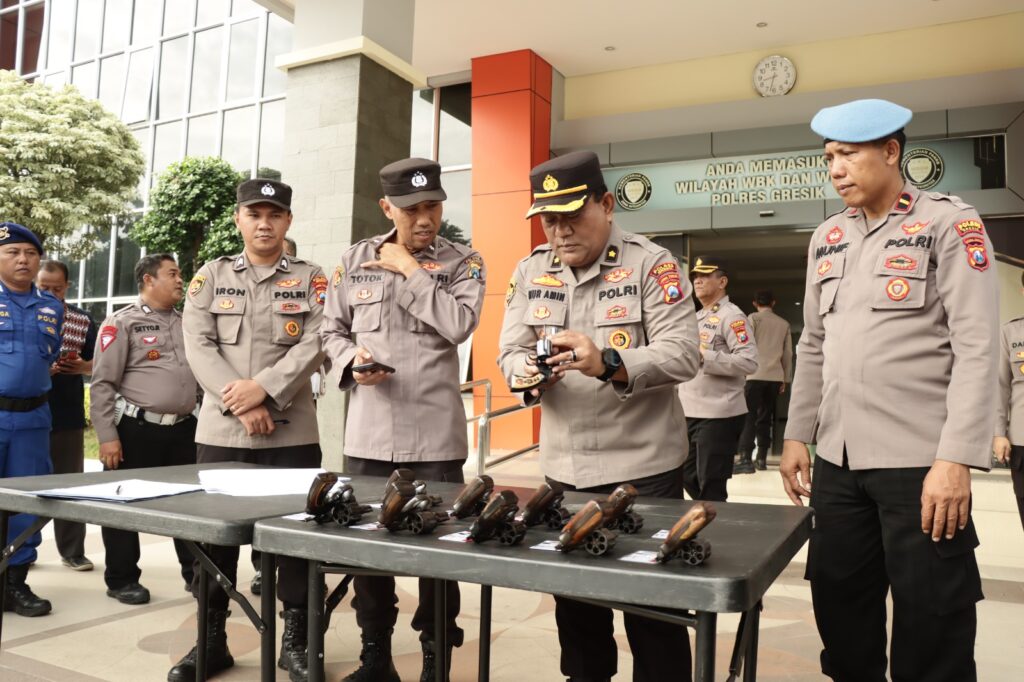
(774, 75)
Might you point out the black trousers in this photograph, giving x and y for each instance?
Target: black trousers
(761, 396)
(1017, 476)
(375, 600)
(867, 540)
(291, 581)
(147, 445)
(708, 468)
(661, 651)
(67, 452)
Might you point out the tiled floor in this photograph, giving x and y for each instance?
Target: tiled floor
(91, 637)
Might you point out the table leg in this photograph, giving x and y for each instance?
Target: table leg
(484, 671)
(705, 655)
(440, 629)
(202, 627)
(268, 597)
(750, 665)
(315, 590)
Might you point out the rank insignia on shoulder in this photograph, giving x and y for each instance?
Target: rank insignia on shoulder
(739, 328)
(617, 275)
(196, 285)
(915, 228)
(510, 291)
(904, 202)
(897, 289)
(977, 253)
(612, 253)
(716, 307)
(620, 339)
(339, 273)
(291, 328)
(520, 384)
(153, 355)
(547, 280)
(226, 304)
(835, 235)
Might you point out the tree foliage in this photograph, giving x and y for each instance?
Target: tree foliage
(453, 232)
(66, 164)
(190, 212)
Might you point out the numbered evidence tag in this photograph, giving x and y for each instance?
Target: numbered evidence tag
(641, 557)
(461, 536)
(547, 545)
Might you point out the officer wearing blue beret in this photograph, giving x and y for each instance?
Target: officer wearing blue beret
(895, 386)
(30, 323)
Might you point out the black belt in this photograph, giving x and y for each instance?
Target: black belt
(23, 404)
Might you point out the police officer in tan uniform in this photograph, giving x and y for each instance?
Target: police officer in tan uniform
(252, 336)
(622, 327)
(405, 299)
(142, 401)
(713, 401)
(894, 382)
(774, 340)
(1008, 444)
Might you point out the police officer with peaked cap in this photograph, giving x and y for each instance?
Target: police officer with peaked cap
(30, 324)
(142, 400)
(713, 401)
(1008, 443)
(406, 299)
(621, 324)
(894, 383)
(252, 337)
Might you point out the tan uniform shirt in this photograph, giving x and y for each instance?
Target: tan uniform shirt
(240, 324)
(774, 339)
(633, 299)
(140, 354)
(730, 353)
(1010, 408)
(900, 340)
(415, 326)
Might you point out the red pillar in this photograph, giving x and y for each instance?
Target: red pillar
(511, 135)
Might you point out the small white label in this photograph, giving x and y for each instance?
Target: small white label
(375, 505)
(301, 516)
(367, 526)
(461, 536)
(547, 545)
(642, 557)
(660, 535)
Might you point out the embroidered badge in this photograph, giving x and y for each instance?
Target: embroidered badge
(226, 304)
(291, 328)
(714, 319)
(667, 275)
(835, 235)
(149, 340)
(153, 354)
(901, 262)
(915, 228)
(659, 270)
(51, 330)
(48, 311)
(549, 184)
(542, 313)
(107, 336)
(419, 180)
(475, 265)
(288, 283)
(364, 294)
(319, 283)
(196, 285)
(617, 275)
(547, 280)
(510, 291)
(615, 312)
(897, 289)
(339, 273)
(430, 265)
(739, 328)
(290, 307)
(977, 253)
(620, 339)
(966, 227)
(705, 336)
(1020, 355)
(824, 267)
(903, 203)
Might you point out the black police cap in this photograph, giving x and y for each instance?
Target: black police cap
(563, 184)
(412, 181)
(264, 191)
(707, 264)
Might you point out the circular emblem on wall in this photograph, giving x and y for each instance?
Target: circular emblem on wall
(633, 191)
(923, 167)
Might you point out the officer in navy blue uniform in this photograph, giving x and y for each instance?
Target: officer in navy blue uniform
(30, 324)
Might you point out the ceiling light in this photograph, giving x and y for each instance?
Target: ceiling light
(609, 48)
(762, 24)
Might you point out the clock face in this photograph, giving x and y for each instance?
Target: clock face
(774, 75)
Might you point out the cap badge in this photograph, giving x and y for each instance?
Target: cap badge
(550, 184)
(4, 232)
(267, 190)
(419, 179)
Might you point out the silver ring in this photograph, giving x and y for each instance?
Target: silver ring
(574, 358)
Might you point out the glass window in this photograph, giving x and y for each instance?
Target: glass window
(141, 136)
(84, 78)
(8, 3)
(271, 139)
(62, 26)
(206, 70)
(8, 40)
(146, 22)
(126, 256)
(455, 139)
(87, 33)
(244, 8)
(97, 272)
(241, 57)
(211, 11)
(117, 23)
(32, 38)
(139, 87)
(170, 94)
(178, 16)
(97, 309)
(458, 209)
(56, 80)
(236, 145)
(166, 147)
(422, 133)
(279, 41)
(74, 270)
(112, 82)
(202, 136)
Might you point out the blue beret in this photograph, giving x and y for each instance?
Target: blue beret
(13, 233)
(862, 120)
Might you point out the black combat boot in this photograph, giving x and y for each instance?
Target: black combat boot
(293, 645)
(430, 661)
(19, 596)
(218, 658)
(762, 459)
(744, 465)
(375, 658)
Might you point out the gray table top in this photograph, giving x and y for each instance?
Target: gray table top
(751, 545)
(200, 517)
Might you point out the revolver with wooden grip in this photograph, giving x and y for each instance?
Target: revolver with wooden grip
(618, 510)
(330, 498)
(596, 525)
(404, 509)
(473, 497)
(498, 519)
(682, 541)
(420, 486)
(545, 506)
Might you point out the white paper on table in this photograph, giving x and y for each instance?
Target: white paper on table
(660, 535)
(259, 482)
(547, 545)
(641, 557)
(130, 490)
(460, 536)
(301, 516)
(373, 525)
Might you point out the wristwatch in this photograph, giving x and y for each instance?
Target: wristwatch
(612, 363)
